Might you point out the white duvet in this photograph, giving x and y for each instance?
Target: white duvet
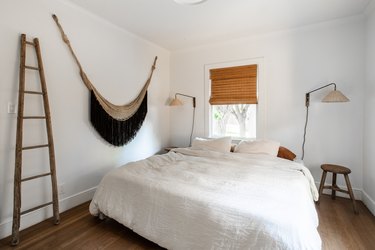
(195, 199)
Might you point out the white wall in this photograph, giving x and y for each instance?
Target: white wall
(369, 115)
(295, 62)
(118, 64)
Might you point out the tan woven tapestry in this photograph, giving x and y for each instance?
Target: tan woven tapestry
(117, 124)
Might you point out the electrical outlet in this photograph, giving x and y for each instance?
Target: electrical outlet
(11, 108)
(61, 189)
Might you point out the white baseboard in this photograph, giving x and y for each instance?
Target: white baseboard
(42, 214)
(370, 203)
(357, 192)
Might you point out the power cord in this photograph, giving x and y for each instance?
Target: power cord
(304, 132)
(192, 126)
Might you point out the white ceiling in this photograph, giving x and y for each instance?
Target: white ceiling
(175, 26)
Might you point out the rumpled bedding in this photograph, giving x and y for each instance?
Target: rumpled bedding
(197, 199)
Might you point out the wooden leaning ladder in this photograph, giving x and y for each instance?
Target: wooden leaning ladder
(19, 140)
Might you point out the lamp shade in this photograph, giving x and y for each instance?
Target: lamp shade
(335, 96)
(175, 102)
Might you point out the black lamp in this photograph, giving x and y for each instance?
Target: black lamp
(177, 102)
(333, 96)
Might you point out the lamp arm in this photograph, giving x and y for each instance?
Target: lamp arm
(194, 102)
(307, 97)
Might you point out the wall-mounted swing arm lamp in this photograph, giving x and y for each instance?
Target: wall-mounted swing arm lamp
(333, 96)
(176, 102)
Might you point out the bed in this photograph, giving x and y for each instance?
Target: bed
(201, 199)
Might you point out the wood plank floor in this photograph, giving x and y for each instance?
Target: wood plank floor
(339, 228)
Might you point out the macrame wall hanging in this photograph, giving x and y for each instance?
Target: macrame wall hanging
(117, 124)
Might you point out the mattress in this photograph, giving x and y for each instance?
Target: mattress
(196, 199)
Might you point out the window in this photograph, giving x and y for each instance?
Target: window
(236, 120)
(233, 101)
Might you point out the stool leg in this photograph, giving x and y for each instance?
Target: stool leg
(349, 186)
(334, 176)
(321, 187)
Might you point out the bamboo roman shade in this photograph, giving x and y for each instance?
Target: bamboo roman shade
(234, 85)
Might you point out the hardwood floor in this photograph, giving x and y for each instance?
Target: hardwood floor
(78, 229)
(339, 228)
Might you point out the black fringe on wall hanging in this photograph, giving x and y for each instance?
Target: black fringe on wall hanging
(117, 133)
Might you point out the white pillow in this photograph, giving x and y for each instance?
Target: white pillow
(268, 147)
(222, 144)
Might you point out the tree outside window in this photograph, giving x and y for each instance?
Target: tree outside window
(238, 121)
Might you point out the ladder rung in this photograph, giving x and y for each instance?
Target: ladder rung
(35, 208)
(37, 146)
(31, 67)
(30, 43)
(34, 117)
(36, 176)
(33, 92)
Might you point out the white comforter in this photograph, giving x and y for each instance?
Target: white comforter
(190, 199)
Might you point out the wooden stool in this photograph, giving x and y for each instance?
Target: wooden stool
(336, 169)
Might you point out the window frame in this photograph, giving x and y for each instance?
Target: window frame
(261, 89)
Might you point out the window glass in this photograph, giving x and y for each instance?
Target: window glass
(237, 120)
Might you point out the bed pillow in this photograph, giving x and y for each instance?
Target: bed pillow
(286, 153)
(268, 147)
(222, 144)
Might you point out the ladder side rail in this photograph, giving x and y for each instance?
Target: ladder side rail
(19, 141)
(51, 147)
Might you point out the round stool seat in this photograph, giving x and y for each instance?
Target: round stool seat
(336, 169)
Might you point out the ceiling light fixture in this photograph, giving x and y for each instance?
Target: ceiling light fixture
(189, 2)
